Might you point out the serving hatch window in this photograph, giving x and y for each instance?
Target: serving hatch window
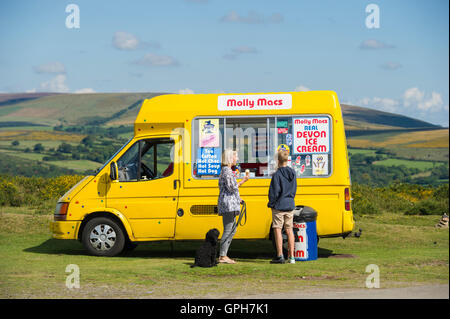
(250, 138)
(257, 141)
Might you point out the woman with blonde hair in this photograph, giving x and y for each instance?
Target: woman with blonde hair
(228, 202)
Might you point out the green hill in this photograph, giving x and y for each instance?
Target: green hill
(361, 118)
(121, 108)
(70, 109)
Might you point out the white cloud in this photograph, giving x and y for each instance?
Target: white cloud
(84, 91)
(125, 41)
(412, 96)
(56, 84)
(152, 59)
(373, 44)
(185, 91)
(51, 68)
(415, 98)
(384, 104)
(301, 88)
(412, 101)
(435, 103)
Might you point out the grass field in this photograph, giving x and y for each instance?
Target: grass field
(24, 135)
(366, 152)
(426, 154)
(78, 165)
(422, 165)
(28, 156)
(410, 163)
(419, 139)
(407, 249)
(30, 144)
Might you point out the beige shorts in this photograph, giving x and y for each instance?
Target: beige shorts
(279, 218)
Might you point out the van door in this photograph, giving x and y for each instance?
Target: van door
(147, 188)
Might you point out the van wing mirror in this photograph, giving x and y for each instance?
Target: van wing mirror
(113, 171)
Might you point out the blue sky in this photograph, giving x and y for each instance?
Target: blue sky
(211, 46)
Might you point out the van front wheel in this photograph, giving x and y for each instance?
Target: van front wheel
(103, 237)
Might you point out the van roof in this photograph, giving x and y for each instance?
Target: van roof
(181, 108)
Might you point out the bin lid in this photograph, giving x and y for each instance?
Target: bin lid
(304, 215)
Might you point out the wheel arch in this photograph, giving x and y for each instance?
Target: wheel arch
(114, 215)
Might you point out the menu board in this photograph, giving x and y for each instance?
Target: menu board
(208, 161)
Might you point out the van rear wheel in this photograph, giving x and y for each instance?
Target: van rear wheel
(103, 237)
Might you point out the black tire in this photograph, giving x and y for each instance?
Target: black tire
(103, 237)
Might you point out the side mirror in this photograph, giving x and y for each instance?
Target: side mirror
(113, 171)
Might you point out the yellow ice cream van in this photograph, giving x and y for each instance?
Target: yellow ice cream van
(163, 183)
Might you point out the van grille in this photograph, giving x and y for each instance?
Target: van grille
(204, 210)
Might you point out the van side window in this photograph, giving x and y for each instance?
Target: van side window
(155, 160)
(249, 137)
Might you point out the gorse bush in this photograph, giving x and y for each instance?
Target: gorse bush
(400, 198)
(428, 207)
(34, 191)
(376, 200)
(435, 204)
(56, 187)
(9, 195)
(441, 192)
(363, 206)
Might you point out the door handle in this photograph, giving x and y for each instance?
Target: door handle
(175, 183)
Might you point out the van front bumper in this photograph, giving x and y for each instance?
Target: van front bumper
(65, 229)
